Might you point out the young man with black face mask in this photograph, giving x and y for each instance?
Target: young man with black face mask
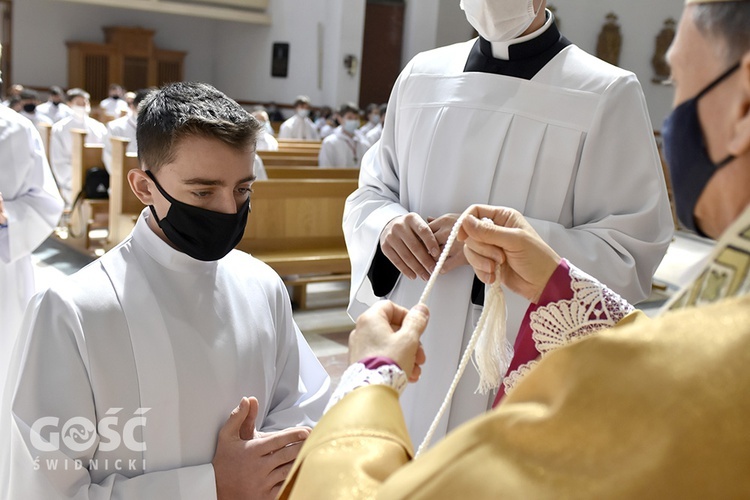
(127, 376)
(55, 107)
(647, 409)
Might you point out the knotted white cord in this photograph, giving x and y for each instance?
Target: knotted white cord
(493, 355)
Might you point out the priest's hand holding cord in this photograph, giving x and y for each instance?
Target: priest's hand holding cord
(250, 461)
(507, 239)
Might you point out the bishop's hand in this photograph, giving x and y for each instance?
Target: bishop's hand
(389, 330)
(526, 261)
(249, 464)
(410, 245)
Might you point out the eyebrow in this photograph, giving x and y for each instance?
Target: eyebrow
(198, 181)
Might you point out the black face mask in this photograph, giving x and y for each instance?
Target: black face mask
(685, 151)
(29, 108)
(202, 234)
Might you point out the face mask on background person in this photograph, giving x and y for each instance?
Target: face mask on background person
(684, 149)
(80, 112)
(350, 126)
(500, 20)
(374, 119)
(202, 234)
(303, 113)
(29, 108)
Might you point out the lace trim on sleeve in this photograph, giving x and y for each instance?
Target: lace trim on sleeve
(593, 307)
(357, 375)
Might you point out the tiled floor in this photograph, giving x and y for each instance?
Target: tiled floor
(326, 326)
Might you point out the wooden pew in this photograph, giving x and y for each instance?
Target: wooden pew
(93, 213)
(124, 206)
(295, 227)
(45, 130)
(312, 173)
(288, 159)
(299, 143)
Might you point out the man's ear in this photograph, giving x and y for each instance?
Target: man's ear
(141, 186)
(740, 144)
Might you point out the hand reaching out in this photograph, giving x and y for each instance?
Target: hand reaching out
(389, 330)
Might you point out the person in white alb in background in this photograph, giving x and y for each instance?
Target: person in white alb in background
(124, 126)
(375, 132)
(373, 118)
(266, 140)
(29, 103)
(30, 207)
(521, 118)
(61, 139)
(114, 106)
(300, 126)
(55, 108)
(157, 342)
(346, 146)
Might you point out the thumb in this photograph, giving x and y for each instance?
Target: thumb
(231, 428)
(247, 430)
(415, 321)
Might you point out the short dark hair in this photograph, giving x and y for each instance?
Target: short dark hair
(727, 22)
(140, 95)
(348, 107)
(383, 109)
(55, 90)
(372, 107)
(181, 110)
(27, 94)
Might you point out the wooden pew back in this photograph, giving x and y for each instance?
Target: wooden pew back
(295, 225)
(312, 173)
(83, 157)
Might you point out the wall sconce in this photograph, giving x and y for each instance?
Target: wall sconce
(351, 64)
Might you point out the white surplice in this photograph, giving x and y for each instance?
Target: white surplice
(147, 327)
(34, 207)
(61, 148)
(342, 151)
(298, 127)
(572, 149)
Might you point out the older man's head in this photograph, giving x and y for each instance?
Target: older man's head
(710, 61)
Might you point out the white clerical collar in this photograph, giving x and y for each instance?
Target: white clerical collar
(163, 253)
(501, 50)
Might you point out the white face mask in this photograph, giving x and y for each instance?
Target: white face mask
(374, 119)
(81, 112)
(499, 20)
(304, 113)
(351, 125)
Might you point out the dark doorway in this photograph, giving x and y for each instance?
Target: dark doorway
(381, 50)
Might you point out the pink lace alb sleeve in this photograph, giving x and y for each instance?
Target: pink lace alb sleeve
(572, 305)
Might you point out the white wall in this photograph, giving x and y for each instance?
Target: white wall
(244, 52)
(431, 23)
(233, 56)
(41, 28)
